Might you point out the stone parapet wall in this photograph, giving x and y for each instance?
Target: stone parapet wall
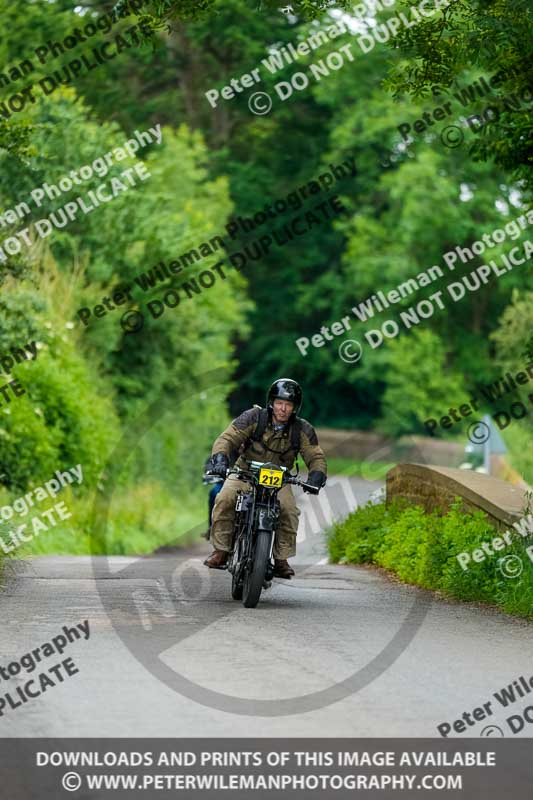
(437, 487)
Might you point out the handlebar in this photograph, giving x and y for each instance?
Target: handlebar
(311, 489)
(250, 477)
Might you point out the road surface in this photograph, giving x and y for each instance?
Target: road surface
(337, 651)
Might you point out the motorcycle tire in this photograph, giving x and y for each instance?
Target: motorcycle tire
(254, 579)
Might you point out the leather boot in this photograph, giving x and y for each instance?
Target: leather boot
(217, 559)
(282, 568)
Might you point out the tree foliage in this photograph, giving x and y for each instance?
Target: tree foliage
(408, 204)
(477, 37)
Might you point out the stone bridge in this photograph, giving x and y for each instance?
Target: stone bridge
(437, 487)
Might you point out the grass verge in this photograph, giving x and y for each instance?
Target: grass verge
(141, 519)
(422, 549)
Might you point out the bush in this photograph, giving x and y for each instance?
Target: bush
(61, 421)
(422, 549)
(141, 519)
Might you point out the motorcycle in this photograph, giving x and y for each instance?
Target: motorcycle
(256, 514)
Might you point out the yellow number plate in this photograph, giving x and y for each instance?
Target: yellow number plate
(270, 477)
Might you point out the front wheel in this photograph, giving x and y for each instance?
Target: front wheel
(254, 579)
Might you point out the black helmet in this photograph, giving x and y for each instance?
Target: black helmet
(285, 389)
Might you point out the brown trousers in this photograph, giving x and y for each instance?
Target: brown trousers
(224, 512)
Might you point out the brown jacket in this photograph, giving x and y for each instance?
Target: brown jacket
(276, 446)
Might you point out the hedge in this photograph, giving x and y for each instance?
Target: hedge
(422, 549)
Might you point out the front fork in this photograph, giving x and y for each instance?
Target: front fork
(269, 572)
(267, 518)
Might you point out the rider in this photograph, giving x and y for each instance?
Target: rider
(275, 435)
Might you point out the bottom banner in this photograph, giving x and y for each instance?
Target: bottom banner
(250, 768)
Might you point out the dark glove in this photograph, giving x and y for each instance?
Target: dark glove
(316, 478)
(219, 464)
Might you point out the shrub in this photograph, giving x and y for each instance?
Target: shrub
(422, 549)
(62, 420)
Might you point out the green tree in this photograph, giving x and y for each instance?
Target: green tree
(420, 382)
(492, 37)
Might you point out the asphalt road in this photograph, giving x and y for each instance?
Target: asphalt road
(337, 651)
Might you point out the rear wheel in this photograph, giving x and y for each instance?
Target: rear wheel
(254, 579)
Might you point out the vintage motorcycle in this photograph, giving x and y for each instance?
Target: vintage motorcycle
(256, 515)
